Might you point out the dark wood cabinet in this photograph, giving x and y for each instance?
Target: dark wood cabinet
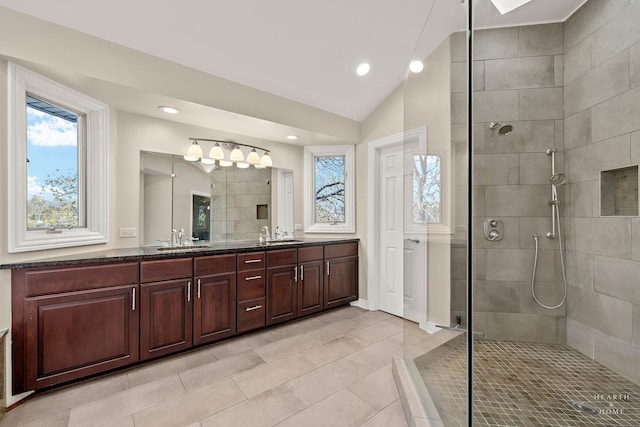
(310, 280)
(251, 299)
(341, 274)
(73, 322)
(165, 307)
(214, 302)
(282, 285)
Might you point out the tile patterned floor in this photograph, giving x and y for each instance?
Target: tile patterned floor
(527, 384)
(333, 369)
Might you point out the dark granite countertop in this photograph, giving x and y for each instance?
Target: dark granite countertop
(157, 252)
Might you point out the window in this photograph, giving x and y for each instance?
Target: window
(57, 168)
(426, 189)
(329, 185)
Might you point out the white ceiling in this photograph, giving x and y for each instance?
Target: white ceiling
(306, 51)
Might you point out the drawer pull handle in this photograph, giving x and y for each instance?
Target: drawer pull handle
(252, 278)
(255, 307)
(189, 290)
(252, 261)
(328, 269)
(295, 274)
(198, 288)
(302, 272)
(133, 300)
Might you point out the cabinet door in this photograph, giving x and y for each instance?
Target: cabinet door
(341, 281)
(310, 287)
(214, 305)
(75, 334)
(165, 317)
(282, 295)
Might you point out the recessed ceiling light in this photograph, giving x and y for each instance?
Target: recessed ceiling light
(168, 110)
(363, 69)
(416, 66)
(292, 137)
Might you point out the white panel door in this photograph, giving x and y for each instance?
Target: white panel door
(415, 273)
(391, 230)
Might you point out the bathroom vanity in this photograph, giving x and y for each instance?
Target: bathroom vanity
(77, 317)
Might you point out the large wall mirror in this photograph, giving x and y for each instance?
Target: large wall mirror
(211, 203)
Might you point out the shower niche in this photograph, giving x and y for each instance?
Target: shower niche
(619, 192)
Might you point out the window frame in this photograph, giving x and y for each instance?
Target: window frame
(21, 82)
(310, 154)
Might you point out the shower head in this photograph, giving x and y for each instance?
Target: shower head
(558, 179)
(502, 129)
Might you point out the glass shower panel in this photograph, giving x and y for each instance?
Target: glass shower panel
(551, 294)
(436, 206)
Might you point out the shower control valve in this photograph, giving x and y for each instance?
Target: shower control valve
(493, 229)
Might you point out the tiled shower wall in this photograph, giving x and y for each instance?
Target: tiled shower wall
(602, 131)
(235, 199)
(518, 81)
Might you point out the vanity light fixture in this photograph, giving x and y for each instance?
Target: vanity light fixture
(169, 110)
(253, 157)
(236, 155)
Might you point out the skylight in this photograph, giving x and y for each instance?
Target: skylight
(506, 6)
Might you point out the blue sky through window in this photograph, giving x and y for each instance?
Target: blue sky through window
(52, 148)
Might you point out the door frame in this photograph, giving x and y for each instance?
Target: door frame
(373, 217)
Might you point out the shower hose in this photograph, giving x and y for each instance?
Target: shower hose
(535, 265)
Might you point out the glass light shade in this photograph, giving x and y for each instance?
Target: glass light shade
(236, 155)
(242, 165)
(225, 163)
(191, 158)
(194, 150)
(253, 157)
(266, 160)
(259, 167)
(216, 152)
(207, 161)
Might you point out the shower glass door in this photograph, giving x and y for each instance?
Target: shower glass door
(436, 216)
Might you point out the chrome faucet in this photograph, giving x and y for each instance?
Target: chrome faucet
(180, 236)
(174, 237)
(267, 235)
(278, 233)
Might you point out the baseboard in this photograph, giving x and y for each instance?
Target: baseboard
(362, 303)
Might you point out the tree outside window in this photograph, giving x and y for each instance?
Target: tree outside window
(426, 189)
(330, 189)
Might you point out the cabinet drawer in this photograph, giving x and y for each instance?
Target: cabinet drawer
(165, 269)
(74, 278)
(251, 285)
(217, 264)
(310, 253)
(281, 257)
(251, 315)
(251, 261)
(341, 250)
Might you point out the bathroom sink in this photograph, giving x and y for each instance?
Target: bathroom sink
(182, 248)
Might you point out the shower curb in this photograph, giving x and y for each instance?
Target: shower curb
(411, 403)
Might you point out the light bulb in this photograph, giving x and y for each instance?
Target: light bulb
(363, 69)
(416, 66)
(242, 165)
(225, 163)
(207, 161)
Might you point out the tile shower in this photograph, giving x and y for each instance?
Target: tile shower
(573, 87)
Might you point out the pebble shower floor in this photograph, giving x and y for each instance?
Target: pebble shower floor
(528, 384)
